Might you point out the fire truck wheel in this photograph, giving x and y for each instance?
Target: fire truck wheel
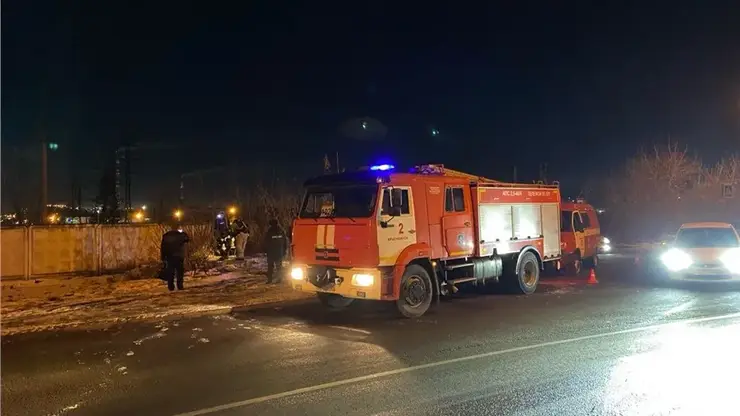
(526, 277)
(416, 292)
(333, 301)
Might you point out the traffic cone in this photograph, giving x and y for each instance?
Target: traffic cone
(592, 277)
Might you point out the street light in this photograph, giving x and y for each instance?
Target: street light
(178, 214)
(143, 207)
(232, 210)
(139, 216)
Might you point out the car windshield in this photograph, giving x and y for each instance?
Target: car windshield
(707, 238)
(345, 201)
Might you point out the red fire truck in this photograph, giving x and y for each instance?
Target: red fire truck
(410, 237)
(580, 235)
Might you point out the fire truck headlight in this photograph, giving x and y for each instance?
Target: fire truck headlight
(296, 273)
(606, 241)
(731, 260)
(676, 260)
(606, 248)
(362, 279)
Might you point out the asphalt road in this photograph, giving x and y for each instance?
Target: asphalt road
(617, 348)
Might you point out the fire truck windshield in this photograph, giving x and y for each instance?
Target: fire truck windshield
(340, 201)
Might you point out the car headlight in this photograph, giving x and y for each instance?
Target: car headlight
(362, 279)
(296, 273)
(676, 260)
(606, 241)
(606, 248)
(731, 260)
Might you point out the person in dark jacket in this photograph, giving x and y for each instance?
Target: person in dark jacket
(173, 255)
(276, 245)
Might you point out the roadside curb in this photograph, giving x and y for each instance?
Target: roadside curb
(77, 326)
(164, 317)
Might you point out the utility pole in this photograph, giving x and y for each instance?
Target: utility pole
(127, 189)
(514, 174)
(45, 177)
(44, 182)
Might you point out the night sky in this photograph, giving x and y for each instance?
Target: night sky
(266, 88)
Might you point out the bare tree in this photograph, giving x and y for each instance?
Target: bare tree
(658, 190)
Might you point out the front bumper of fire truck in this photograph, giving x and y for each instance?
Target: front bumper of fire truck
(355, 283)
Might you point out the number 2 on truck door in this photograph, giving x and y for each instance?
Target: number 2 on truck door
(396, 223)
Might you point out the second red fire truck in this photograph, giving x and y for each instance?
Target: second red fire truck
(410, 237)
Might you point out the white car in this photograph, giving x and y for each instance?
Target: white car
(703, 251)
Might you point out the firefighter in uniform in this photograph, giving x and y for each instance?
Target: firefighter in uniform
(222, 234)
(172, 251)
(276, 245)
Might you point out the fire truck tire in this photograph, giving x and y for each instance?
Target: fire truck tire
(334, 302)
(525, 278)
(416, 292)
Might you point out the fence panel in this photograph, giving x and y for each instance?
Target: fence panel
(63, 249)
(13, 251)
(127, 246)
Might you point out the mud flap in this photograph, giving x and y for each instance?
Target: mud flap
(437, 291)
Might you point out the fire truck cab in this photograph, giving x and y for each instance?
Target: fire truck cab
(581, 236)
(410, 237)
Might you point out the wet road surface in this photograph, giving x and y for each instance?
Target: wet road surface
(620, 347)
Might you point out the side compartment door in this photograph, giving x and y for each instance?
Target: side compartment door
(396, 223)
(457, 221)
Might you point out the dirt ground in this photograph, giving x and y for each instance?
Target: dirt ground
(80, 302)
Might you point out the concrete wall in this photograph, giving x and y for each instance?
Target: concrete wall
(44, 250)
(67, 249)
(13, 252)
(127, 246)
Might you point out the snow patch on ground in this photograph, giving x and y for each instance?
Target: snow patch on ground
(87, 302)
(67, 409)
(150, 337)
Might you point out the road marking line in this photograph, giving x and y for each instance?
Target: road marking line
(680, 308)
(347, 328)
(397, 371)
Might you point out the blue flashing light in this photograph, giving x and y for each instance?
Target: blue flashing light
(382, 167)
